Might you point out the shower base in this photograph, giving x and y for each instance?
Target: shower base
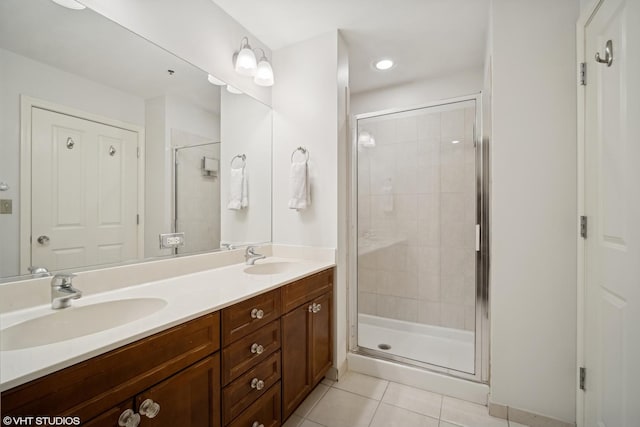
(435, 345)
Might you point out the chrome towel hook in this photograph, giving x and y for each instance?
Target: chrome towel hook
(303, 151)
(608, 54)
(242, 157)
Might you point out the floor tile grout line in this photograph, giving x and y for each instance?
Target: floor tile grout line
(379, 403)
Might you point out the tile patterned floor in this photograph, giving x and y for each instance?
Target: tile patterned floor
(362, 401)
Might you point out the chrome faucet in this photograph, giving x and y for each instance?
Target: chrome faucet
(251, 256)
(62, 291)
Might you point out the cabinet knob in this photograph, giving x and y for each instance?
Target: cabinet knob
(317, 308)
(257, 313)
(149, 408)
(257, 424)
(129, 419)
(256, 348)
(257, 384)
(311, 308)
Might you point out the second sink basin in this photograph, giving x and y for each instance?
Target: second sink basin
(76, 322)
(276, 267)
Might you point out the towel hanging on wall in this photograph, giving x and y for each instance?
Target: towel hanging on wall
(238, 191)
(299, 186)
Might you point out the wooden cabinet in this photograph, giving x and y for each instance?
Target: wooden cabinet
(251, 362)
(100, 389)
(307, 352)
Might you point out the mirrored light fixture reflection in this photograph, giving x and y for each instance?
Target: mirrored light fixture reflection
(366, 140)
(215, 81)
(245, 59)
(70, 4)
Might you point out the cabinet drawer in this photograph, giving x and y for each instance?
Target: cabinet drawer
(244, 390)
(92, 387)
(265, 411)
(303, 290)
(247, 316)
(245, 353)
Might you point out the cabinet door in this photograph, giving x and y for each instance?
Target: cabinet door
(295, 359)
(110, 417)
(189, 398)
(321, 337)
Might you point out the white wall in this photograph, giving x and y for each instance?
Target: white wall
(310, 110)
(24, 76)
(416, 93)
(305, 105)
(198, 31)
(533, 241)
(246, 128)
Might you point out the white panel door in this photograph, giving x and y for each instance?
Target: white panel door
(612, 204)
(84, 192)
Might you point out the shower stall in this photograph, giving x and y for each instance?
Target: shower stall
(419, 225)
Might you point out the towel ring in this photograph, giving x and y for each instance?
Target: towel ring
(303, 150)
(241, 157)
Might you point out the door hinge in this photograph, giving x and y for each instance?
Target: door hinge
(583, 377)
(583, 73)
(138, 219)
(138, 152)
(583, 227)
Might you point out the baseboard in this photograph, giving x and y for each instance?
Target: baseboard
(525, 417)
(334, 373)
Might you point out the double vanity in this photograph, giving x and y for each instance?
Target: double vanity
(236, 345)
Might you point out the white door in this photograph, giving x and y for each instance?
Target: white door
(84, 192)
(612, 206)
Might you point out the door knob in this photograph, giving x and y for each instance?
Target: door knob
(129, 419)
(149, 408)
(43, 240)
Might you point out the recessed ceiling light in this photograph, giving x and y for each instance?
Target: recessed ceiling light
(70, 4)
(383, 64)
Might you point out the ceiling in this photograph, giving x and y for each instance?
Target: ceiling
(87, 44)
(426, 38)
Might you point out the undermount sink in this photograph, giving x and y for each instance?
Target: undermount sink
(74, 322)
(276, 267)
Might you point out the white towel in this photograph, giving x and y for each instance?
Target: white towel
(238, 194)
(299, 185)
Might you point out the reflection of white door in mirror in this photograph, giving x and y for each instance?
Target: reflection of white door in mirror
(84, 194)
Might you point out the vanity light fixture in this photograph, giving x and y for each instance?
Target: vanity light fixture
(215, 81)
(264, 72)
(383, 64)
(233, 90)
(70, 4)
(245, 59)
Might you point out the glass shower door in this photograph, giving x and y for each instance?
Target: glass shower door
(417, 190)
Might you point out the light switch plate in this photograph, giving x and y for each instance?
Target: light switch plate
(6, 206)
(171, 240)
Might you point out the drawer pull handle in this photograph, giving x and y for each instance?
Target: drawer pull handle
(149, 408)
(129, 419)
(257, 424)
(257, 313)
(257, 384)
(257, 348)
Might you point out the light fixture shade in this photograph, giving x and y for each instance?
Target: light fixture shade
(246, 63)
(233, 90)
(70, 4)
(215, 81)
(264, 73)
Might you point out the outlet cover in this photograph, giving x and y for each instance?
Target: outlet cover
(6, 206)
(171, 240)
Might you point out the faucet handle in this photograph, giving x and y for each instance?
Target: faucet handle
(63, 279)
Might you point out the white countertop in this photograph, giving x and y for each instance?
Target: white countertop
(188, 297)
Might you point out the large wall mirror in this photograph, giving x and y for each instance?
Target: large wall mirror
(109, 141)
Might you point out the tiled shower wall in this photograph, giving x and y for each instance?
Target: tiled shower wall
(416, 217)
